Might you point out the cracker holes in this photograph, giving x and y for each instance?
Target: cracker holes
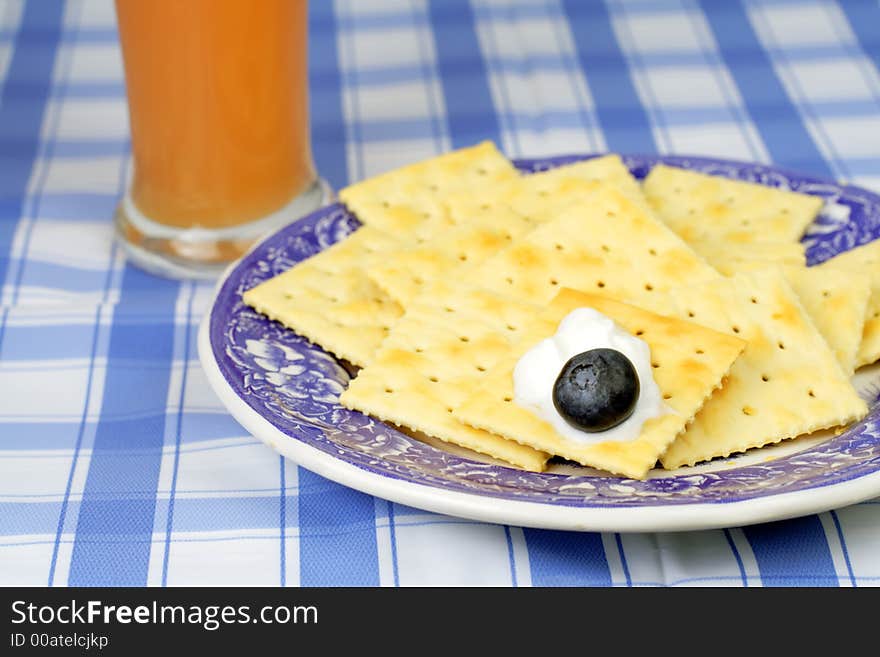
(754, 300)
(748, 410)
(699, 352)
(508, 280)
(691, 314)
(288, 296)
(554, 282)
(386, 329)
(780, 344)
(448, 409)
(389, 391)
(655, 365)
(464, 338)
(480, 368)
(785, 211)
(481, 171)
(559, 247)
(745, 222)
(811, 393)
(649, 287)
(640, 332)
(433, 379)
(652, 252)
(418, 280)
(462, 257)
(449, 310)
(735, 329)
(826, 293)
(606, 248)
(386, 204)
(508, 399)
(426, 215)
(419, 350)
(600, 283)
(511, 327)
(610, 214)
(485, 206)
(765, 378)
(877, 314)
(667, 396)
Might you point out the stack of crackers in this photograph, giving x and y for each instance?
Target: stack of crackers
(463, 264)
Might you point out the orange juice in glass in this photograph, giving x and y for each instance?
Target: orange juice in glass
(218, 106)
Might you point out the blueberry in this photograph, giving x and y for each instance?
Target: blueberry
(596, 390)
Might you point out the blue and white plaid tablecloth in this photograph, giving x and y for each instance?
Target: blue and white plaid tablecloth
(119, 466)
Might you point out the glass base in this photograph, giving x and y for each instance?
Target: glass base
(203, 253)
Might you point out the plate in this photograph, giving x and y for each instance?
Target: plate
(284, 391)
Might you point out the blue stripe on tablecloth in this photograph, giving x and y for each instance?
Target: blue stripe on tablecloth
(510, 556)
(619, 110)
(567, 558)
(52, 432)
(282, 522)
(392, 535)
(792, 553)
(59, 277)
(34, 436)
(328, 122)
(113, 533)
(29, 517)
(840, 536)
(777, 120)
(77, 446)
(78, 206)
(864, 18)
(178, 432)
(25, 116)
(623, 565)
(470, 112)
(737, 556)
(47, 342)
(337, 528)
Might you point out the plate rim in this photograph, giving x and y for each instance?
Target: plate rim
(655, 517)
(648, 518)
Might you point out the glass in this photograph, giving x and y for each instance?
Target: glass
(218, 107)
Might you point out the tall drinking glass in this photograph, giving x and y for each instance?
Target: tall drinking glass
(218, 106)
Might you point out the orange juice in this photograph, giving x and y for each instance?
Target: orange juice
(218, 103)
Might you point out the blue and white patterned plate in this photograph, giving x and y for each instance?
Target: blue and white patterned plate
(284, 390)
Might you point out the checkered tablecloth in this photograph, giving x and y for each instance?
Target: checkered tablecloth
(118, 464)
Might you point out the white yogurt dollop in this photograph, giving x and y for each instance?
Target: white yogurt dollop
(581, 330)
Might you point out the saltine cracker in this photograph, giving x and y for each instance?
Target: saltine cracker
(609, 246)
(786, 383)
(702, 207)
(694, 361)
(409, 201)
(434, 357)
(866, 259)
(330, 300)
